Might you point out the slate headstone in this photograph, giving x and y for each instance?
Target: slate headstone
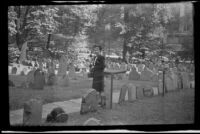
(92, 122)
(39, 79)
(131, 92)
(169, 83)
(11, 83)
(185, 78)
(89, 102)
(30, 78)
(32, 112)
(51, 79)
(148, 91)
(140, 92)
(155, 91)
(14, 70)
(134, 75)
(123, 92)
(146, 74)
(175, 79)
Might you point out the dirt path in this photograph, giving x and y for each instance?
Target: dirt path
(174, 108)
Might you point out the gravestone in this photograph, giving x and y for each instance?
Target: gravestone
(131, 92)
(169, 82)
(89, 102)
(57, 115)
(51, 80)
(155, 91)
(32, 112)
(39, 79)
(92, 122)
(11, 83)
(175, 79)
(123, 92)
(30, 79)
(14, 70)
(185, 78)
(9, 69)
(134, 75)
(192, 84)
(22, 73)
(148, 91)
(146, 75)
(140, 92)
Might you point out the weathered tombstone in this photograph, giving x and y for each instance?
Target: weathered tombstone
(123, 92)
(30, 79)
(57, 115)
(148, 91)
(134, 75)
(146, 75)
(51, 79)
(169, 82)
(22, 73)
(32, 112)
(185, 78)
(131, 92)
(140, 92)
(192, 84)
(9, 69)
(89, 102)
(155, 90)
(175, 79)
(14, 70)
(92, 122)
(39, 79)
(11, 83)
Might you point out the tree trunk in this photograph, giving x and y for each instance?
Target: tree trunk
(124, 50)
(126, 20)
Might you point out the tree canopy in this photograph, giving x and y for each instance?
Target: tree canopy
(129, 28)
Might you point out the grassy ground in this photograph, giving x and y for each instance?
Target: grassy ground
(174, 108)
(17, 96)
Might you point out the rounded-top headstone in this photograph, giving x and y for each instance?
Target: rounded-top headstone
(39, 79)
(14, 70)
(92, 122)
(32, 112)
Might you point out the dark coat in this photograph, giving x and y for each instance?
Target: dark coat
(98, 75)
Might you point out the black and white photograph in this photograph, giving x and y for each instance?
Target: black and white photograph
(101, 64)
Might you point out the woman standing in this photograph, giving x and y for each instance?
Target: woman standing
(98, 73)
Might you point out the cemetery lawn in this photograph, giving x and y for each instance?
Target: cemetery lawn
(175, 107)
(76, 89)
